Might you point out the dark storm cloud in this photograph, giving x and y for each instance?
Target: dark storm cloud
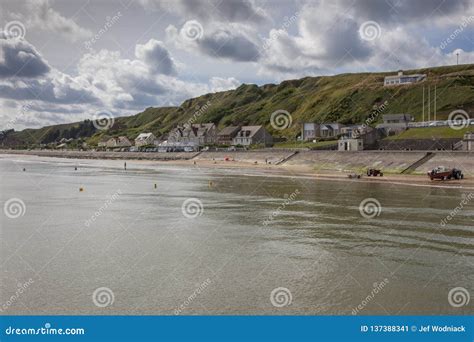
(398, 11)
(231, 45)
(234, 11)
(46, 91)
(157, 57)
(229, 10)
(18, 58)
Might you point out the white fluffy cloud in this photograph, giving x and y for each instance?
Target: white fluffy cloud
(105, 81)
(328, 37)
(43, 17)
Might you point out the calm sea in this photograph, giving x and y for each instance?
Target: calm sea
(163, 239)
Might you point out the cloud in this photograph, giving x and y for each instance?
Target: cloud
(42, 16)
(328, 37)
(232, 42)
(395, 12)
(156, 56)
(19, 58)
(59, 89)
(228, 44)
(233, 11)
(222, 84)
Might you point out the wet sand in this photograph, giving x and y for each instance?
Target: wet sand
(282, 170)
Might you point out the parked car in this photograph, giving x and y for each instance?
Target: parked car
(444, 173)
(374, 172)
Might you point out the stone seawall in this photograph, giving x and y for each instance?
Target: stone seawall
(393, 161)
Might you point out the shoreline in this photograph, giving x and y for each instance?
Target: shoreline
(283, 170)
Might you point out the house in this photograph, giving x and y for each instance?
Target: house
(226, 135)
(199, 134)
(309, 131)
(354, 131)
(144, 139)
(330, 130)
(395, 123)
(401, 79)
(468, 141)
(251, 135)
(350, 144)
(118, 142)
(359, 138)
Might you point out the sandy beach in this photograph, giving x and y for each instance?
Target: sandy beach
(232, 160)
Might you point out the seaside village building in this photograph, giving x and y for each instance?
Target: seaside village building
(118, 143)
(395, 123)
(312, 131)
(401, 79)
(198, 134)
(358, 138)
(145, 139)
(227, 135)
(252, 135)
(189, 137)
(468, 141)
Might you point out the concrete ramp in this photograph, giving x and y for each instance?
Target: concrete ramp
(419, 163)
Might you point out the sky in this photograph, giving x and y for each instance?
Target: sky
(67, 60)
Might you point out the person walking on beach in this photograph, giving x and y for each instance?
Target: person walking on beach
(125, 165)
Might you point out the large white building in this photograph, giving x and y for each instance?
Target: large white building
(401, 79)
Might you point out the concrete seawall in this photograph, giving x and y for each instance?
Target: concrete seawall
(392, 161)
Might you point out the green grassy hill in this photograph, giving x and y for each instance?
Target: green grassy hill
(345, 98)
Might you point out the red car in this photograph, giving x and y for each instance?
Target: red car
(444, 173)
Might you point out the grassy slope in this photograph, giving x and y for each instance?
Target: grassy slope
(346, 98)
(432, 132)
